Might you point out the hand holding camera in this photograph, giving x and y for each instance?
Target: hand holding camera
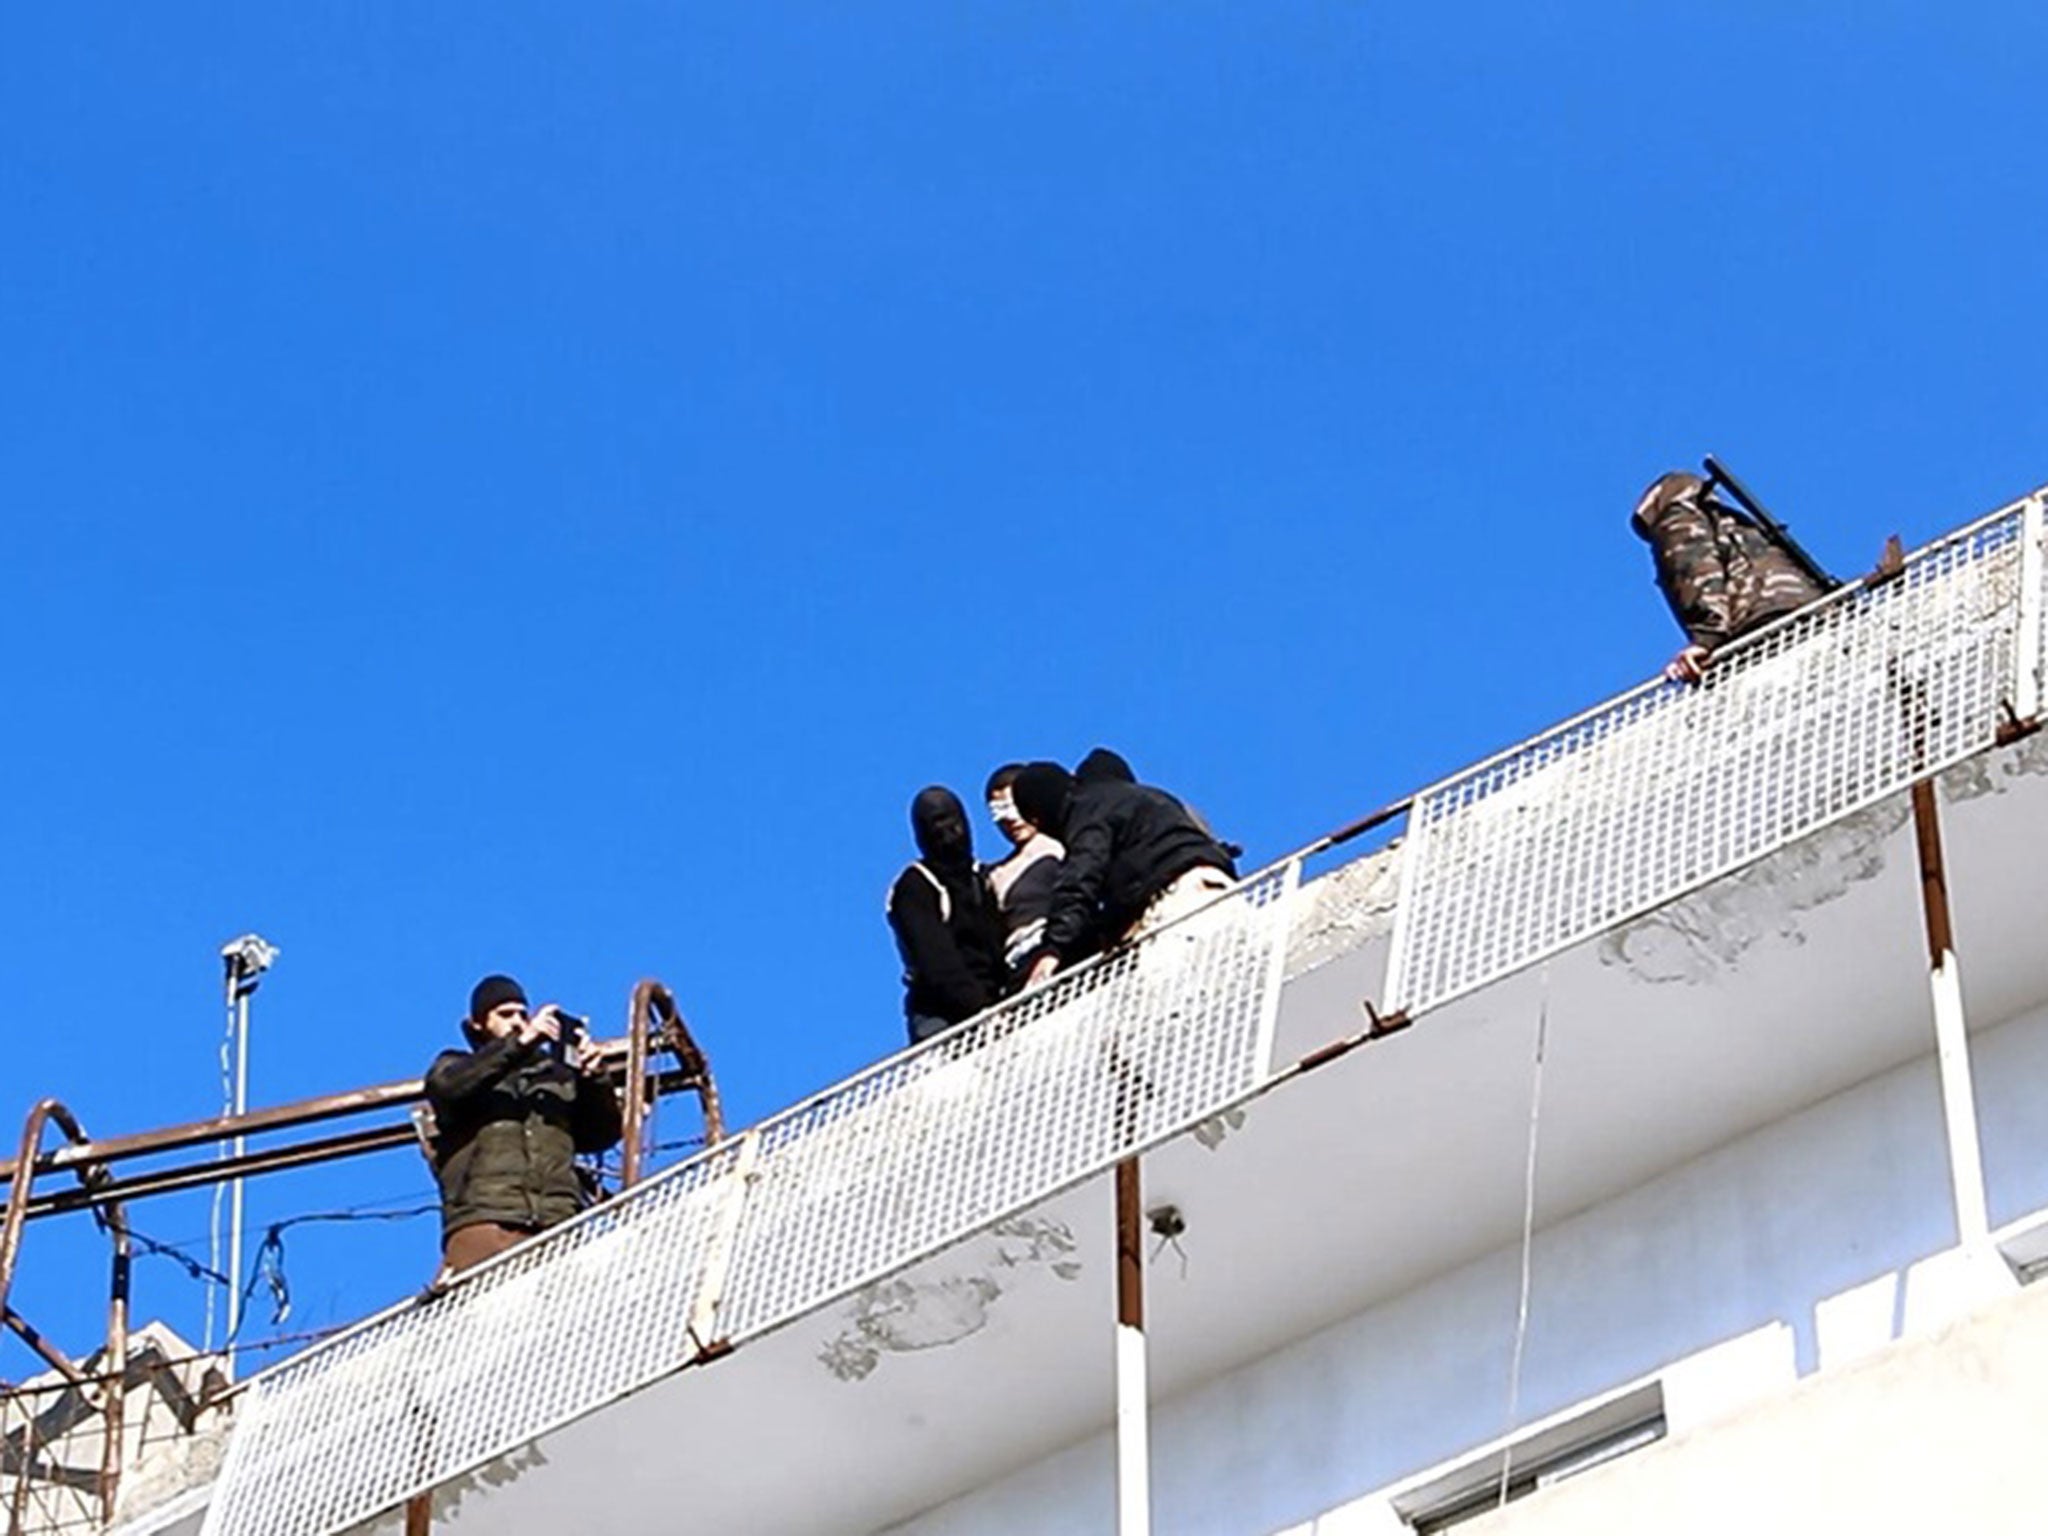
(568, 1037)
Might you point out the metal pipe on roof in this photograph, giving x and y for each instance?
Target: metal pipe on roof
(32, 1336)
(244, 961)
(115, 1400)
(164, 1181)
(328, 1106)
(18, 1189)
(635, 1110)
(695, 1076)
(115, 1219)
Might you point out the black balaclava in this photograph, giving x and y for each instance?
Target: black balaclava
(1044, 793)
(939, 822)
(1103, 765)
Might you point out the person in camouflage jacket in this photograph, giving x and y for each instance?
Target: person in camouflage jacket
(1722, 576)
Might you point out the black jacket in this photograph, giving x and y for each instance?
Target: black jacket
(1125, 844)
(508, 1122)
(951, 941)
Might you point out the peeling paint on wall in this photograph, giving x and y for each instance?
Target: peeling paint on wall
(927, 1309)
(1695, 937)
(1993, 772)
(501, 1473)
(1698, 935)
(1342, 910)
(1212, 1131)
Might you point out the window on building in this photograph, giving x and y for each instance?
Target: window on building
(1536, 1459)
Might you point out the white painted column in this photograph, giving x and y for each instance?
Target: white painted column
(1951, 1033)
(1133, 1405)
(1959, 1104)
(2027, 649)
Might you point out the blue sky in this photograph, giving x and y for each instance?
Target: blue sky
(541, 488)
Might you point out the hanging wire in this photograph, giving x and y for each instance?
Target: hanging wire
(227, 1107)
(1528, 1234)
(205, 1273)
(268, 1269)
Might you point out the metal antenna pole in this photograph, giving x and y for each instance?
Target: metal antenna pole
(245, 960)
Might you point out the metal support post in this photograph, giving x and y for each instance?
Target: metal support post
(2027, 657)
(238, 1105)
(705, 1335)
(244, 960)
(113, 1218)
(652, 1021)
(1133, 1429)
(1951, 1038)
(634, 1110)
(115, 1362)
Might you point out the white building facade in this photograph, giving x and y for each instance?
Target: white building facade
(1660, 1112)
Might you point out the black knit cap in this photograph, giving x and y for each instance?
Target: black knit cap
(490, 992)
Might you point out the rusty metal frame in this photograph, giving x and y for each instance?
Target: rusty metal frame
(693, 1075)
(113, 1218)
(651, 1016)
(653, 1023)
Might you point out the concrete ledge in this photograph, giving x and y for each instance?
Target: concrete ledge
(1929, 1434)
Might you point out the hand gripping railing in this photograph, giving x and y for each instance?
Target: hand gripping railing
(1666, 788)
(868, 1177)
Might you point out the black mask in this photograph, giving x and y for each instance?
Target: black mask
(939, 822)
(1044, 793)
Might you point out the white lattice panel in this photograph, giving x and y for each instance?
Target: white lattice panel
(1668, 787)
(910, 1156)
(935, 1144)
(560, 1325)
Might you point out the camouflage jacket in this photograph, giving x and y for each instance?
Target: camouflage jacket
(1722, 576)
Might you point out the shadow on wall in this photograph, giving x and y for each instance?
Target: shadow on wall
(1805, 1272)
(1726, 1276)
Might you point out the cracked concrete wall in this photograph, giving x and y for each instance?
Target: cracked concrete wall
(929, 1308)
(1818, 1239)
(1690, 939)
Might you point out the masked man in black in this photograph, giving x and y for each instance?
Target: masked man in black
(945, 921)
(1135, 858)
(510, 1115)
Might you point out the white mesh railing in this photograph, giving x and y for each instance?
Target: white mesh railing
(1013, 1106)
(1668, 787)
(1608, 816)
(594, 1309)
(898, 1163)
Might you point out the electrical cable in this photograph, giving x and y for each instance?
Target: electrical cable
(268, 1265)
(1528, 1235)
(227, 1105)
(156, 1247)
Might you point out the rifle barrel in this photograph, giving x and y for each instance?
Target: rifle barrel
(1719, 474)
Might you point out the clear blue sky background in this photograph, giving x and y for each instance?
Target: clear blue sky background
(540, 486)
